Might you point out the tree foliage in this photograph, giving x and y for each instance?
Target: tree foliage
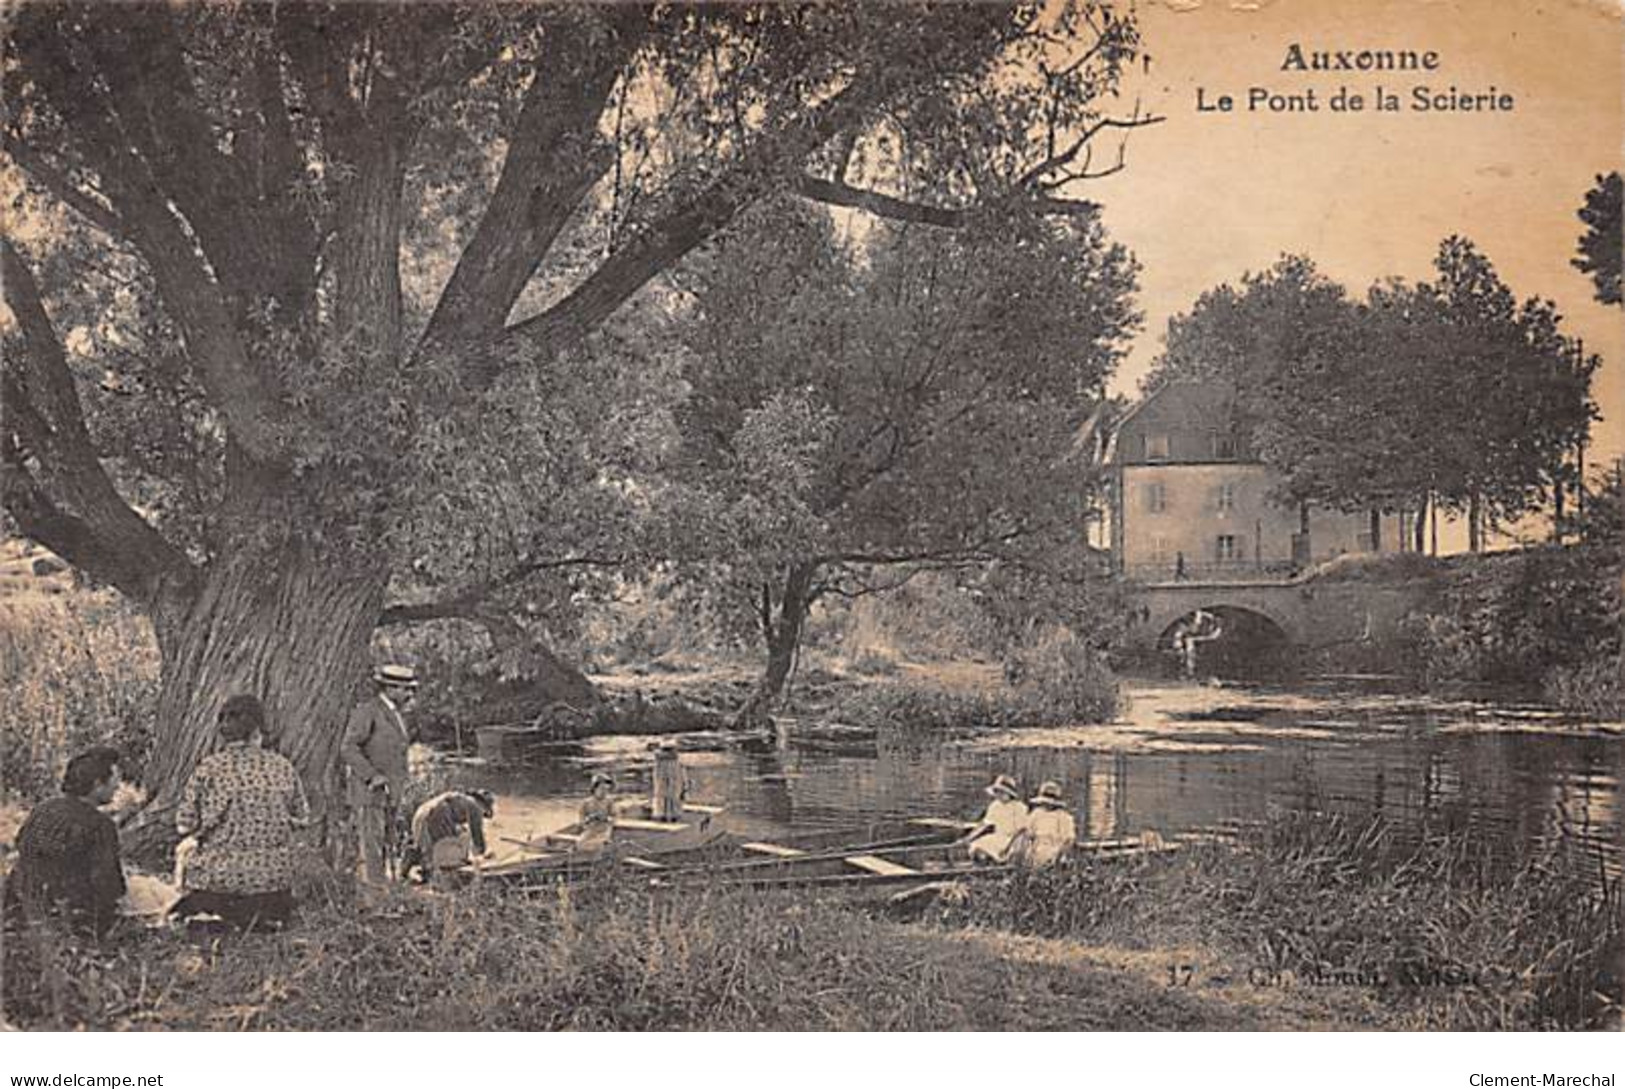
(1600, 246)
(905, 398)
(1452, 389)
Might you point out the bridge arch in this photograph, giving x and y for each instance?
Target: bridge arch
(1247, 642)
(1161, 610)
(1231, 619)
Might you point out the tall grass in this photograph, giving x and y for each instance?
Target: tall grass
(1447, 933)
(75, 670)
(1595, 689)
(607, 957)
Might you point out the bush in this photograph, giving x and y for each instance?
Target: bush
(929, 618)
(1596, 689)
(1061, 681)
(75, 670)
(1518, 619)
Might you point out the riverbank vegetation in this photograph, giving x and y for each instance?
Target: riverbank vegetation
(77, 668)
(1056, 679)
(1438, 927)
(1541, 623)
(1310, 922)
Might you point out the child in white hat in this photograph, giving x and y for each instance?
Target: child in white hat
(1050, 832)
(1004, 817)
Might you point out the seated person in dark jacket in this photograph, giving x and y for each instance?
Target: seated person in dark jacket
(67, 851)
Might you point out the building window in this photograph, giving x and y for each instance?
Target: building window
(1156, 447)
(1226, 547)
(1159, 550)
(1224, 447)
(1224, 497)
(1156, 497)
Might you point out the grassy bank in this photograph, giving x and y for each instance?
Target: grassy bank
(1313, 923)
(1436, 931)
(606, 958)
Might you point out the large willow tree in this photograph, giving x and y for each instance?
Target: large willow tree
(297, 292)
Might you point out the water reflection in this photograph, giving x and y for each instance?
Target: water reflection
(1180, 759)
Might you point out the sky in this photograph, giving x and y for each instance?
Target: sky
(1208, 196)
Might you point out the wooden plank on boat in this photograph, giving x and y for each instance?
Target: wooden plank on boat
(942, 822)
(881, 866)
(773, 849)
(642, 863)
(635, 824)
(1108, 844)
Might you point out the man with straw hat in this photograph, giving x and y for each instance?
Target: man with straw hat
(375, 751)
(1004, 817)
(1050, 832)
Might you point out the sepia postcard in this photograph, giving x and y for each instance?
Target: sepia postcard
(1046, 517)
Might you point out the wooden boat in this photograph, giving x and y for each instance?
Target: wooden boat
(886, 855)
(715, 855)
(636, 840)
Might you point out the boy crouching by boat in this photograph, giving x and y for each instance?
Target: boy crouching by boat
(1050, 831)
(449, 828)
(1001, 822)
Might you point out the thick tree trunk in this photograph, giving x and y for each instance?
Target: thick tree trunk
(288, 628)
(1475, 520)
(1376, 530)
(783, 637)
(1420, 534)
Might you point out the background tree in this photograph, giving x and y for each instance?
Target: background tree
(1599, 247)
(363, 238)
(1285, 351)
(911, 400)
(1512, 391)
(1450, 392)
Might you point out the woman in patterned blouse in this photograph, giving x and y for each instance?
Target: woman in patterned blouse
(242, 807)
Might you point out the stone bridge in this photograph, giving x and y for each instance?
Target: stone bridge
(1309, 611)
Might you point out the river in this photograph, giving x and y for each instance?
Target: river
(1178, 759)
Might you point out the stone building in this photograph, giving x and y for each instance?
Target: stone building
(1186, 498)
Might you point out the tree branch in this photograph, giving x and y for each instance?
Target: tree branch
(773, 161)
(191, 294)
(466, 600)
(884, 205)
(1081, 144)
(62, 187)
(68, 503)
(554, 157)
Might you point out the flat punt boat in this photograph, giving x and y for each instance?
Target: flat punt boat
(912, 852)
(670, 854)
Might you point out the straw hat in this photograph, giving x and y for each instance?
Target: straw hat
(1048, 794)
(1004, 787)
(602, 777)
(396, 676)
